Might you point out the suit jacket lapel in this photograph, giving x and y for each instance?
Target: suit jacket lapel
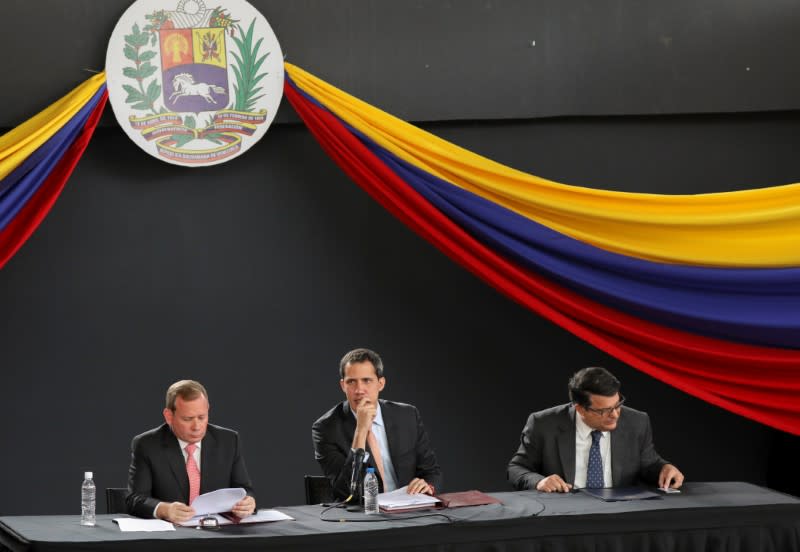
(206, 454)
(174, 455)
(349, 427)
(566, 444)
(619, 443)
(349, 422)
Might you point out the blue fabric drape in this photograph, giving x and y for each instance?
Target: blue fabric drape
(20, 185)
(760, 306)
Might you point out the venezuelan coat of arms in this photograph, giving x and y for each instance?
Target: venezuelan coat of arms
(193, 83)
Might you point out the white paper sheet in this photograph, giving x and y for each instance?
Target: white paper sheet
(138, 524)
(221, 500)
(399, 498)
(266, 515)
(261, 516)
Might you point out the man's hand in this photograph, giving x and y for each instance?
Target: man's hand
(176, 512)
(418, 486)
(366, 412)
(553, 484)
(244, 507)
(670, 476)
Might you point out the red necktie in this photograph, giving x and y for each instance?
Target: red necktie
(193, 472)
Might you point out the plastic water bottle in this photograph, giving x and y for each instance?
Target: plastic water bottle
(371, 492)
(88, 494)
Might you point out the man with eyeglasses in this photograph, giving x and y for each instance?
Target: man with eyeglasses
(593, 441)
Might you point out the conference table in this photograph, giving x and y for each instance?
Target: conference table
(732, 516)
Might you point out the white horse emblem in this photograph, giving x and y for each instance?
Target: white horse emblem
(184, 85)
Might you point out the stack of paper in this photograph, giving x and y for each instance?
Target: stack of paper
(221, 500)
(213, 503)
(216, 504)
(399, 499)
(261, 516)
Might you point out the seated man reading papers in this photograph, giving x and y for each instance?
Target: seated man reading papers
(175, 462)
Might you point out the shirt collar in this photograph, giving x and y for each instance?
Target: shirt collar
(582, 429)
(184, 443)
(378, 417)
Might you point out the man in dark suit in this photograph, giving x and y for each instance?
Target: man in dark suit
(392, 433)
(186, 456)
(593, 441)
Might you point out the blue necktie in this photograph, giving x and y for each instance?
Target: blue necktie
(594, 471)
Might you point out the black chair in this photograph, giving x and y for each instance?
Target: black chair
(115, 500)
(318, 489)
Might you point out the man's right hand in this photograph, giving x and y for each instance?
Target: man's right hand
(176, 512)
(366, 412)
(553, 484)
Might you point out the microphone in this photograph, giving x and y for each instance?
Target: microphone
(358, 462)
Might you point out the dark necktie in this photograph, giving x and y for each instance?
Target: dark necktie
(594, 471)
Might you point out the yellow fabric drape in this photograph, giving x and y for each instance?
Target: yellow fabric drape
(17, 144)
(750, 228)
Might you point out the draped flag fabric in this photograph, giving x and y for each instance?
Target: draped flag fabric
(701, 292)
(37, 158)
(758, 228)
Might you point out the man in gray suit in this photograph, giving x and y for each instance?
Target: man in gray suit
(186, 456)
(593, 441)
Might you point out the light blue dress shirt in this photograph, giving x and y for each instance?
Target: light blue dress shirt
(379, 431)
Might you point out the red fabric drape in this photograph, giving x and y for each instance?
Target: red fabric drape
(760, 383)
(28, 219)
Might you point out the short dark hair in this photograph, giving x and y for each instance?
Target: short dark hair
(362, 355)
(188, 390)
(592, 380)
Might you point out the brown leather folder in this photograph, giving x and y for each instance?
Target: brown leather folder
(466, 498)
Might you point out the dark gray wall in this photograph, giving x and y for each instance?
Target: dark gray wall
(255, 276)
(470, 59)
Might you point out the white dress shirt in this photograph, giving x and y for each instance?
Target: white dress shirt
(196, 453)
(583, 443)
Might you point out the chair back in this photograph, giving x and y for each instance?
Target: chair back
(115, 500)
(318, 489)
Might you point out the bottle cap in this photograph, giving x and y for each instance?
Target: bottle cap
(87, 475)
(370, 470)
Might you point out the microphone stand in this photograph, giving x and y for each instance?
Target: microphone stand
(356, 483)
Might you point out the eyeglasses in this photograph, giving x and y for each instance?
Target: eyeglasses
(606, 412)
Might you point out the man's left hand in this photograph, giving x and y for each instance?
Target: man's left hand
(670, 476)
(418, 486)
(244, 507)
